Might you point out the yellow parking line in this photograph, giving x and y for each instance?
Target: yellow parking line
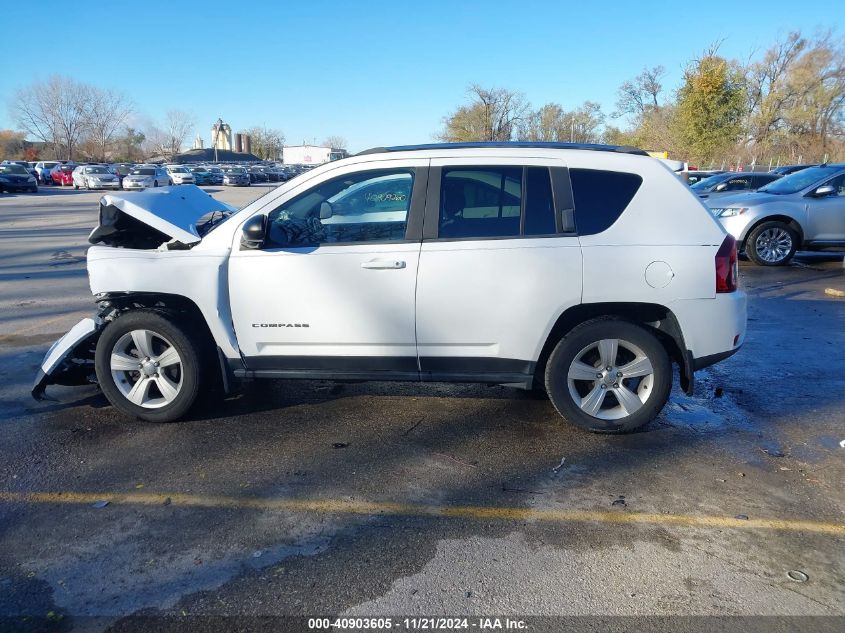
(338, 506)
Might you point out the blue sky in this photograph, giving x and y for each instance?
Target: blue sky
(376, 73)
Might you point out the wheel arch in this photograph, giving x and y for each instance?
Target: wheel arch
(788, 220)
(658, 319)
(180, 309)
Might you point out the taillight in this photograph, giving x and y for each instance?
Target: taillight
(727, 266)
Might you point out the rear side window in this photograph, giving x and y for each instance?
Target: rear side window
(539, 206)
(480, 202)
(600, 197)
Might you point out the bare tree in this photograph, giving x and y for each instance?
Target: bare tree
(54, 111)
(494, 114)
(553, 123)
(335, 142)
(107, 110)
(640, 94)
(178, 125)
(267, 143)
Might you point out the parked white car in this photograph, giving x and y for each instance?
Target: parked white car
(43, 168)
(584, 271)
(94, 177)
(180, 175)
(144, 176)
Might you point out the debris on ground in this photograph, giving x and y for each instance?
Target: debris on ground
(620, 501)
(340, 444)
(773, 452)
(797, 575)
(833, 292)
(557, 468)
(100, 504)
(742, 517)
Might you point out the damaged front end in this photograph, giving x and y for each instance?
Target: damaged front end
(70, 360)
(167, 218)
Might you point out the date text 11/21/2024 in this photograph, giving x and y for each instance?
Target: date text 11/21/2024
(418, 623)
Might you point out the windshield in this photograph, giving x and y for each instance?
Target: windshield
(235, 170)
(707, 182)
(178, 170)
(799, 180)
(12, 169)
(96, 170)
(138, 171)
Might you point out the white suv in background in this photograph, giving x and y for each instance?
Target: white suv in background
(582, 270)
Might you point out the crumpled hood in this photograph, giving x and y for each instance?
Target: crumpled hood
(171, 211)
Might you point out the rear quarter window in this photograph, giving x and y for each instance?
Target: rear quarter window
(600, 197)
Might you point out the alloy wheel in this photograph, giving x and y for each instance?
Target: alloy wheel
(146, 368)
(610, 379)
(773, 245)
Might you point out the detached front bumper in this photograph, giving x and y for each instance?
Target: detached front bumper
(70, 360)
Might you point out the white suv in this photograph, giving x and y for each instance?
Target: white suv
(582, 270)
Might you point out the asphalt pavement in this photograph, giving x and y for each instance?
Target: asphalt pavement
(322, 499)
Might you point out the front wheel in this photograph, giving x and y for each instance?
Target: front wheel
(771, 244)
(148, 367)
(609, 376)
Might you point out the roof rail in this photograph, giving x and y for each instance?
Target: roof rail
(595, 147)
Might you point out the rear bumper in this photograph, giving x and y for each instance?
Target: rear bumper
(712, 359)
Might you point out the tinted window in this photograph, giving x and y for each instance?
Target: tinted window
(738, 184)
(480, 202)
(799, 180)
(600, 197)
(539, 206)
(369, 206)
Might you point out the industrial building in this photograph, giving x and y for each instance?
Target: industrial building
(311, 154)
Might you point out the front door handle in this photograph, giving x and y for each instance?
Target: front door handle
(383, 264)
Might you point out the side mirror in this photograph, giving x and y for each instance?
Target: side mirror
(254, 232)
(721, 186)
(824, 190)
(325, 210)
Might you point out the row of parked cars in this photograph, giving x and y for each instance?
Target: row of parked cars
(18, 175)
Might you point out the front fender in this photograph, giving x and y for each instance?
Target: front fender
(70, 360)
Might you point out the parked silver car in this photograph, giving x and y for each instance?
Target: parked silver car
(236, 176)
(144, 176)
(803, 210)
(94, 177)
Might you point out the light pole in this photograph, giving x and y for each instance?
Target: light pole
(217, 127)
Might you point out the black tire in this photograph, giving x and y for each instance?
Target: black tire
(155, 183)
(190, 352)
(755, 243)
(169, 183)
(588, 333)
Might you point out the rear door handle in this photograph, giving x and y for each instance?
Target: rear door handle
(383, 264)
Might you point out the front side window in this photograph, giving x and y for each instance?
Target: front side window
(480, 202)
(838, 184)
(369, 206)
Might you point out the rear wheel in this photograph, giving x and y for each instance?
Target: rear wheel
(148, 367)
(609, 376)
(771, 244)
